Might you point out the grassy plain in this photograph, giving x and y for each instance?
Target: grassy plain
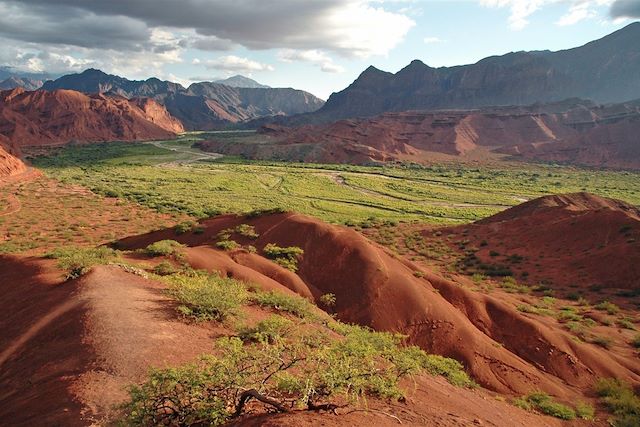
(172, 177)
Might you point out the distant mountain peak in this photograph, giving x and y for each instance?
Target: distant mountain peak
(242, 81)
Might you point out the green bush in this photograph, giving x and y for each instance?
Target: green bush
(544, 403)
(227, 245)
(163, 248)
(78, 261)
(585, 411)
(287, 257)
(279, 301)
(328, 300)
(308, 372)
(185, 227)
(165, 268)
(636, 341)
(207, 296)
(273, 328)
(620, 400)
(607, 306)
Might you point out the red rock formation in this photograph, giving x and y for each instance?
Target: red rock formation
(55, 118)
(574, 131)
(10, 163)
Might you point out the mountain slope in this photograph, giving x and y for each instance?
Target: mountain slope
(241, 81)
(202, 106)
(55, 118)
(605, 70)
(574, 131)
(23, 82)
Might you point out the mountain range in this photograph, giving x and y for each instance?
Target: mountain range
(201, 106)
(605, 71)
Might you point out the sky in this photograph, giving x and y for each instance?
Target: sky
(320, 46)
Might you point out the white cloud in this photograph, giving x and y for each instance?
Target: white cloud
(313, 56)
(521, 10)
(577, 12)
(236, 64)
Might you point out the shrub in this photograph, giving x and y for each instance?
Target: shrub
(308, 372)
(544, 403)
(286, 257)
(268, 331)
(293, 304)
(585, 411)
(247, 230)
(207, 296)
(620, 400)
(185, 227)
(165, 268)
(227, 245)
(510, 285)
(602, 341)
(78, 261)
(626, 324)
(636, 341)
(607, 306)
(328, 300)
(163, 248)
(451, 369)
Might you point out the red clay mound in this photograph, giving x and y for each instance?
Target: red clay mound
(503, 349)
(68, 350)
(54, 118)
(575, 131)
(564, 240)
(10, 164)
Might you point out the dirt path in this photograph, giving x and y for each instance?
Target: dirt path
(131, 326)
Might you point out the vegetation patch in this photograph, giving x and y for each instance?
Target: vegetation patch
(278, 301)
(542, 402)
(620, 400)
(204, 296)
(287, 257)
(164, 248)
(264, 367)
(78, 261)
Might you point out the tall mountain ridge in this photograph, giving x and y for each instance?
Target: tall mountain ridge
(605, 71)
(201, 106)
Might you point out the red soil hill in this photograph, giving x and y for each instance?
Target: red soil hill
(42, 118)
(503, 349)
(573, 240)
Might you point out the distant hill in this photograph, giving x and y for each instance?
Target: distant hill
(605, 70)
(23, 82)
(201, 106)
(241, 81)
(573, 131)
(58, 117)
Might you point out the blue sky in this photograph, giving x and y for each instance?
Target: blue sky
(317, 45)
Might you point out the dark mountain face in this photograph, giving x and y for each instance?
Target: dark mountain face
(605, 70)
(202, 106)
